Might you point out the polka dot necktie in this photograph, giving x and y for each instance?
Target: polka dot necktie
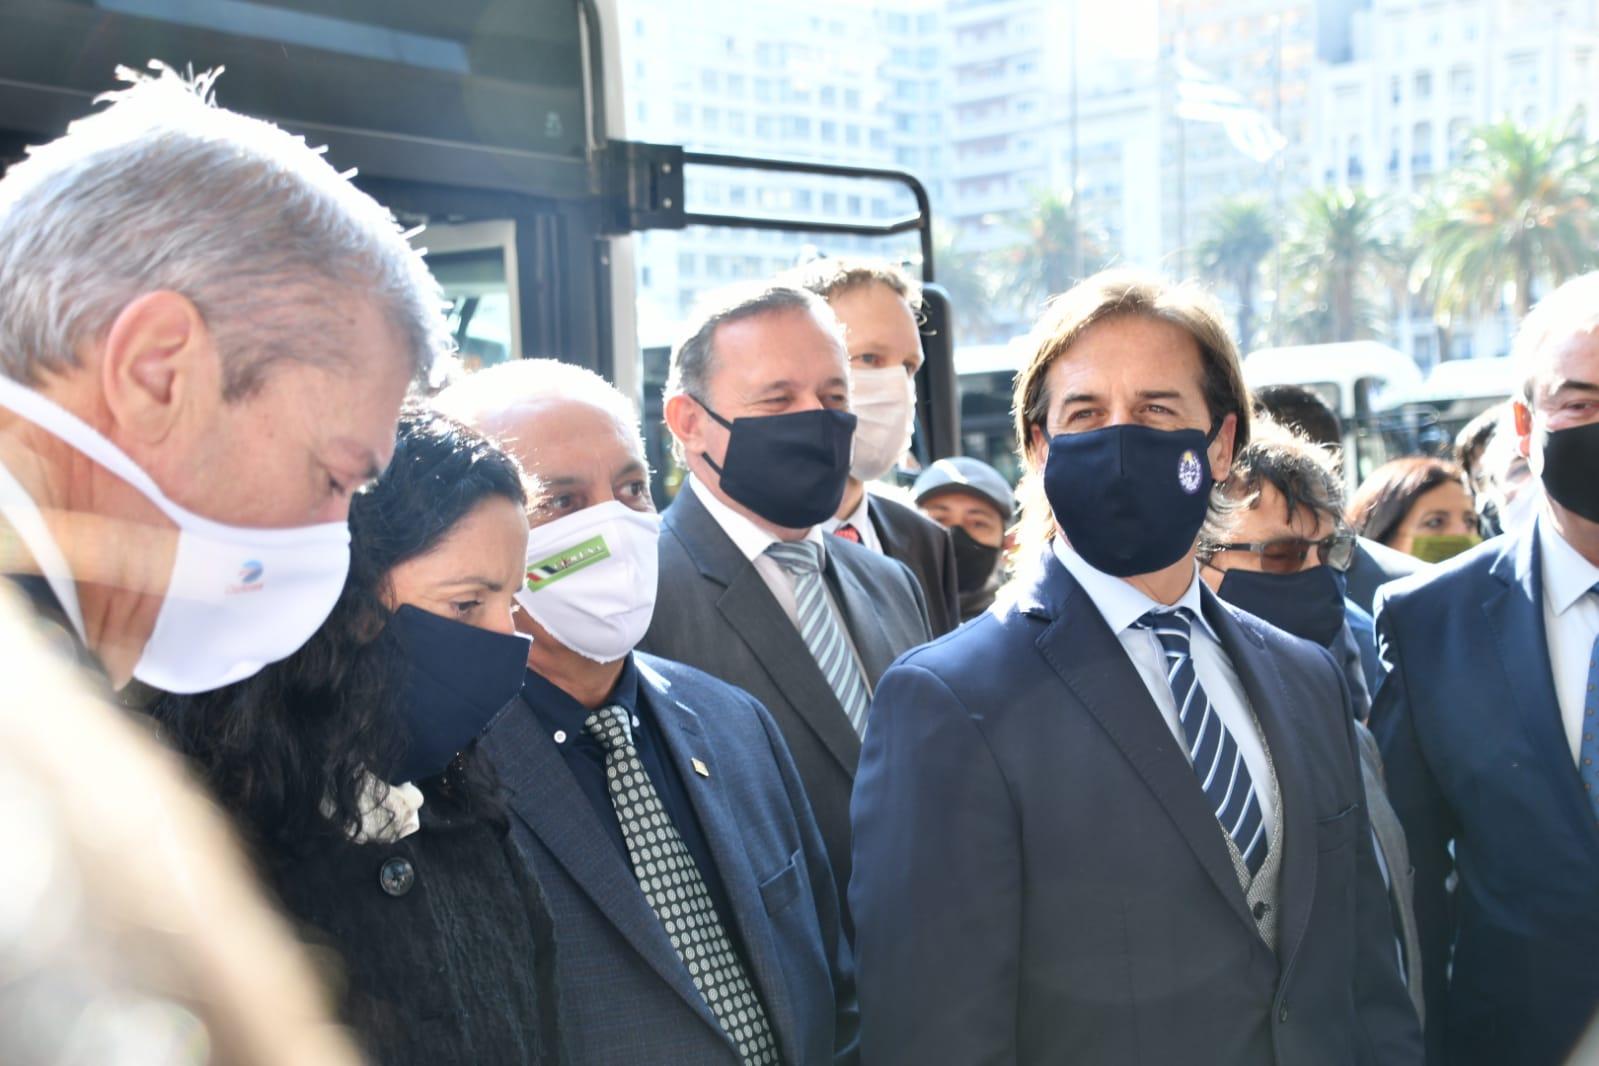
(1220, 765)
(674, 888)
(1588, 752)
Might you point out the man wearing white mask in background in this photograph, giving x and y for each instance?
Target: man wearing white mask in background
(879, 306)
(205, 335)
(658, 807)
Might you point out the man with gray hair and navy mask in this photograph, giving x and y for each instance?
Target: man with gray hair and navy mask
(205, 336)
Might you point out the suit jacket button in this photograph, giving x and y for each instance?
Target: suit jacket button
(397, 876)
(1261, 910)
(1282, 1014)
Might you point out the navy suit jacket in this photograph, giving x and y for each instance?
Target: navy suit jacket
(1039, 879)
(1477, 757)
(626, 996)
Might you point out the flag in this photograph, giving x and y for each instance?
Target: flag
(1201, 98)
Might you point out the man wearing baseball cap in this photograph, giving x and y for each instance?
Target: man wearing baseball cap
(974, 502)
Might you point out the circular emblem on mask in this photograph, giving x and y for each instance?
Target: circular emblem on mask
(1190, 475)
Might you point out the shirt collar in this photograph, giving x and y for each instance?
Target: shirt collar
(556, 708)
(1118, 602)
(750, 539)
(857, 518)
(1567, 576)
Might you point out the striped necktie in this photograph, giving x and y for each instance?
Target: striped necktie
(1588, 751)
(822, 629)
(675, 890)
(1215, 755)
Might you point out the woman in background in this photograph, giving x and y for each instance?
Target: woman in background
(350, 767)
(1417, 505)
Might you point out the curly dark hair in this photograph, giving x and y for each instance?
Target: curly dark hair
(286, 750)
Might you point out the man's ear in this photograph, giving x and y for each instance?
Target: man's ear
(1037, 447)
(1221, 449)
(1522, 415)
(157, 356)
(684, 419)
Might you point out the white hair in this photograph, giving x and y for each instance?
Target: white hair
(1571, 309)
(162, 190)
(492, 392)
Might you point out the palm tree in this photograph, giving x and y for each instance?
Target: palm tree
(1040, 264)
(1240, 238)
(1518, 210)
(1338, 262)
(968, 277)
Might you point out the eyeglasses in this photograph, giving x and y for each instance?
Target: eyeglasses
(1286, 555)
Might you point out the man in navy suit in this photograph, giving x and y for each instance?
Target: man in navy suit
(1487, 721)
(696, 915)
(1115, 820)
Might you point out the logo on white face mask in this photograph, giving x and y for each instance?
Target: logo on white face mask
(547, 571)
(1189, 473)
(249, 577)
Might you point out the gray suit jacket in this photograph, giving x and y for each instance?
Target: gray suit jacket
(926, 550)
(1396, 853)
(713, 611)
(626, 998)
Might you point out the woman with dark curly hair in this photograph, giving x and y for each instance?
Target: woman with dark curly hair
(350, 765)
(1417, 505)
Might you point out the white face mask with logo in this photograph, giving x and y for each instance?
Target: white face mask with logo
(883, 401)
(590, 578)
(238, 598)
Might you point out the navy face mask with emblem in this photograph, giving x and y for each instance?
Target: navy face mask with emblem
(789, 469)
(1309, 604)
(458, 679)
(1129, 499)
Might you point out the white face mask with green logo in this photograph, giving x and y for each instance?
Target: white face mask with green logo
(590, 578)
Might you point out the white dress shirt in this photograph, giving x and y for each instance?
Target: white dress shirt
(1570, 624)
(1120, 604)
(861, 519)
(753, 541)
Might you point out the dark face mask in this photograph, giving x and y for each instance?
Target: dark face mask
(1571, 469)
(974, 561)
(789, 469)
(1129, 499)
(458, 679)
(1309, 604)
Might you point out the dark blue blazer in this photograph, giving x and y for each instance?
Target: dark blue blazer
(1039, 879)
(1477, 757)
(626, 997)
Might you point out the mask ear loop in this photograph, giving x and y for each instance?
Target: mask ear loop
(724, 423)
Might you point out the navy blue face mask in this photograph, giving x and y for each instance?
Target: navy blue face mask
(1309, 604)
(1129, 499)
(789, 469)
(458, 679)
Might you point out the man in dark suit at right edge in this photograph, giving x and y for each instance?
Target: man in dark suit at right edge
(1488, 719)
(1117, 821)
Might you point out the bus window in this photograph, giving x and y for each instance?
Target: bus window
(475, 264)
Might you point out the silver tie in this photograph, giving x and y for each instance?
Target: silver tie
(822, 629)
(674, 888)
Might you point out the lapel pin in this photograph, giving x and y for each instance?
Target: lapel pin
(700, 768)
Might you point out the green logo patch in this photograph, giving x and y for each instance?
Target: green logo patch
(565, 563)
